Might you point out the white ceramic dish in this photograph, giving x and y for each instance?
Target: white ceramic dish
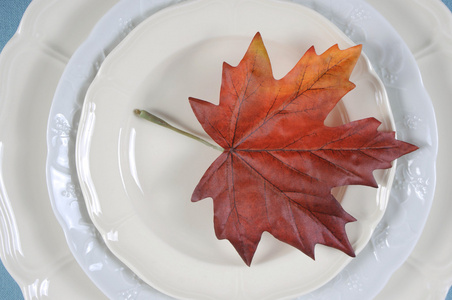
(32, 243)
(137, 179)
(426, 26)
(353, 24)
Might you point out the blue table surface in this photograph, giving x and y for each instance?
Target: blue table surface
(11, 12)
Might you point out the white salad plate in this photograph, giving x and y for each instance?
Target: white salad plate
(352, 22)
(34, 250)
(138, 179)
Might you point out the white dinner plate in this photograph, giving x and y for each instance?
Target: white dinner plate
(356, 21)
(350, 21)
(33, 247)
(138, 179)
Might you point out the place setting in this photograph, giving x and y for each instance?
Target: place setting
(227, 149)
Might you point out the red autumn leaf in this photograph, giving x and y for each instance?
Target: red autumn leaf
(280, 161)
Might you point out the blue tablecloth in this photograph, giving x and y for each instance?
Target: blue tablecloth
(11, 12)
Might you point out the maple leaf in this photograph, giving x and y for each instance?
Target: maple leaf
(280, 161)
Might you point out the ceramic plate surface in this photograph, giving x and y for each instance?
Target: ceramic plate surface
(138, 179)
(353, 18)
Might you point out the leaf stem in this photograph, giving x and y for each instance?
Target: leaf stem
(156, 120)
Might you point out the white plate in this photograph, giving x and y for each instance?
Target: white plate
(349, 277)
(138, 179)
(33, 248)
(354, 18)
(426, 26)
